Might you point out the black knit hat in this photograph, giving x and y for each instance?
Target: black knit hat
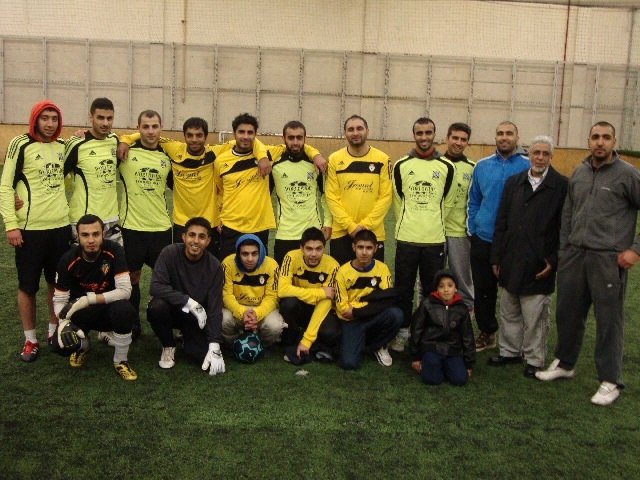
(440, 274)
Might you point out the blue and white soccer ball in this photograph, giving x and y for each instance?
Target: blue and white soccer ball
(247, 347)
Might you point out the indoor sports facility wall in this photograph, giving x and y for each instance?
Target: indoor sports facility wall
(549, 67)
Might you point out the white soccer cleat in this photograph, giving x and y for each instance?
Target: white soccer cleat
(554, 371)
(383, 357)
(167, 358)
(607, 394)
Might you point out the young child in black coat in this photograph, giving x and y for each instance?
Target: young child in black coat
(442, 344)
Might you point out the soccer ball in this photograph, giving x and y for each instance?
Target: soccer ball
(247, 347)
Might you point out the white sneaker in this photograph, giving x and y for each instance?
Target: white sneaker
(107, 337)
(554, 371)
(400, 342)
(606, 394)
(166, 359)
(383, 357)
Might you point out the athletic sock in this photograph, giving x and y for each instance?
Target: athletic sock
(52, 328)
(122, 342)
(30, 336)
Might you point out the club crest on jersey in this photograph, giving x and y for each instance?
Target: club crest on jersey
(436, 175)
(310, 175)
(374, 282)
(262, 280)
(113, 152)
(61, 156)
(105, 268)
(321, 277)
(466, 176)
(372, 167)
(163, 163)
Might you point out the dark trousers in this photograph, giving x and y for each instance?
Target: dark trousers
(214, 244)
(297, 315)
(436, 368)
(282, 247)
(164, 318)
(229, 237)
(375, 331)
(485, 286)
(342, 250)
(586, 278)
(410, 260)
(115, 317)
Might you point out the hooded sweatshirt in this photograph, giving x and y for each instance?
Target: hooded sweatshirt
(256, 289)
(34, 170)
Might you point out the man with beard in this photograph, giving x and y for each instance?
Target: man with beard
(422, 182)
(306, 288)
(91, 161)
(598, 245)
(524, 256)
(358, 191)
(298, 184)
(92, 289)
(186, 287)
(194, 192)
(489, 177)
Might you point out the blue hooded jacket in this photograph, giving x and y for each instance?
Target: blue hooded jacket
(262, 249)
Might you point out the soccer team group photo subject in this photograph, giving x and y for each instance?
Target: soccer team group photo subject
(91, 211)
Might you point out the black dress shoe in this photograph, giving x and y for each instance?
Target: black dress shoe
(530, 371)
(501, 361)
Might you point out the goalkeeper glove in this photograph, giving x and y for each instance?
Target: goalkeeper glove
(197, 311)
(213, 361)
(79, 304)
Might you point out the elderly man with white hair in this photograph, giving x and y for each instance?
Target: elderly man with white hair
(524, 257)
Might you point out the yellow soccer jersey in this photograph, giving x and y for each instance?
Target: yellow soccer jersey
(353, 284)
(358, 191)
(305, 283)
(93, 165)
(245, 197)
(257, 289)
(143, 203)
(35, 172)
(194, 192)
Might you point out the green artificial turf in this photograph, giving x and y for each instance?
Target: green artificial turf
(264, 421)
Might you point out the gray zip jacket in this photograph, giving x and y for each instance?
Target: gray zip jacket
(601, 208)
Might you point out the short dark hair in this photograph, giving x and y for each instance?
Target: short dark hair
(459, 127)
(603, 124)
(365, 236)
(293, 124)
(244, 118)
(90, 219)
(249, 242)
(352, 117)
(101, 103)
(196, 122)
(149, 114)
(199, 221)
(312, 234)
(423, 121)
(509, 122)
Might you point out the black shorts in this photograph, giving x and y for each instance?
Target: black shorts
(40, 251)
(142, 248)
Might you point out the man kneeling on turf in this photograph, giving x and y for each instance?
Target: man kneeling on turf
(366, 309)
(250, 293)
(186, 286)
(306, 287)
(92, 290)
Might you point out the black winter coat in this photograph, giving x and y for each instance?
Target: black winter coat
(528, 233)
(443, 329)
